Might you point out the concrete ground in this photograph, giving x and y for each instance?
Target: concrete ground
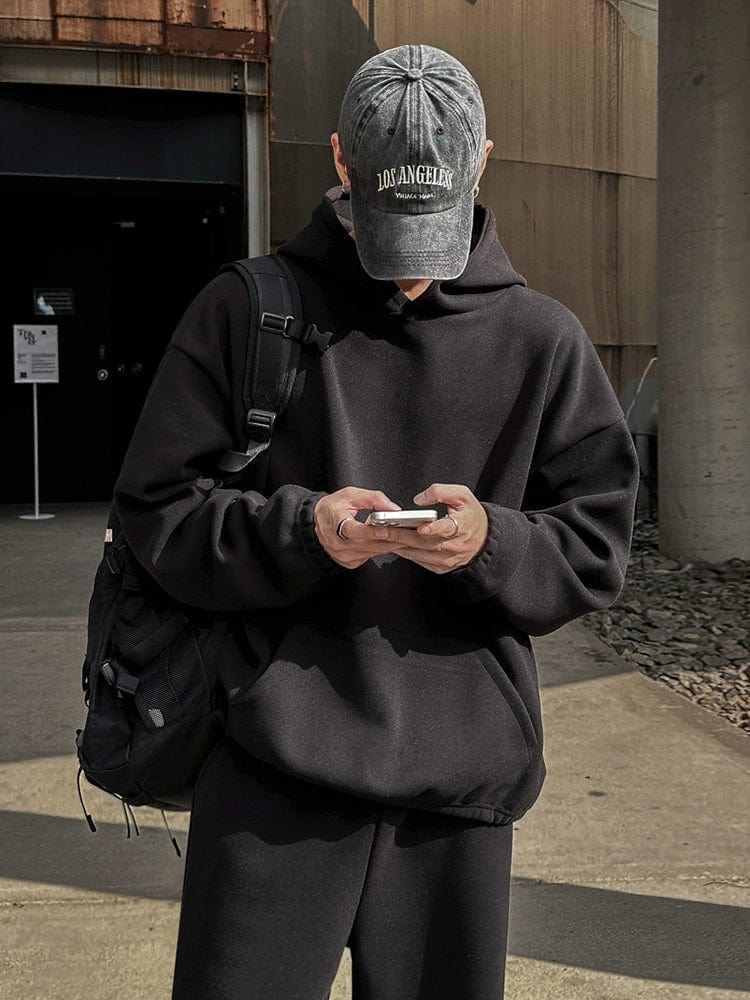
(630, 874)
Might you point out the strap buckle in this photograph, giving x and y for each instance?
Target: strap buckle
(312, 335)
(260, 424)
(276, 323)
(119, 679)
(126, 683)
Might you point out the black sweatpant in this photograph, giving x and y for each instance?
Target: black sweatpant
(281, 875)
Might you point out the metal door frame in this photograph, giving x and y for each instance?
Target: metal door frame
(147, 71)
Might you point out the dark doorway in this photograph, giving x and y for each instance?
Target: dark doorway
(133, 255)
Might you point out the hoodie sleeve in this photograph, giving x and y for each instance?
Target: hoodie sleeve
(565, 552)
(209, 546)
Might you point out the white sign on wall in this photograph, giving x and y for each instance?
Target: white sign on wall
(35, 353)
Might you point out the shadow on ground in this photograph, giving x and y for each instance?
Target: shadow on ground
(626, 933)
(57, 850)
(607, 930)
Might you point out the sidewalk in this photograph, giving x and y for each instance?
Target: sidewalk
(631, 875)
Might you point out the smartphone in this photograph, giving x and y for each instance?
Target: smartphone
(402, 518)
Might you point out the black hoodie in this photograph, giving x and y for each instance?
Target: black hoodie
(389, 681)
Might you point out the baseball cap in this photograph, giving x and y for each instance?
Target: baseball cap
(412, 132)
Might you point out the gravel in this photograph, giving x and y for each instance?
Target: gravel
(684, 623)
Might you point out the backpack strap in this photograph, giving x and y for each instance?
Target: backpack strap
(277, 334)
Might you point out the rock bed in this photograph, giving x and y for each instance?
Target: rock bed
(684, 623)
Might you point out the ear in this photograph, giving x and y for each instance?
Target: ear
(338, 159)
(488, 147)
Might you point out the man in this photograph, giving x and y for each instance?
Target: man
(384, 731)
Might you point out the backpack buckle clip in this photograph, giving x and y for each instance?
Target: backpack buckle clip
(260, 424)
(312, 335)
(126, 683)
(119, 679)
(108, 672)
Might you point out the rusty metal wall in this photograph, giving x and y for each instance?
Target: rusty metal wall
(563, 81)
(231, 29)
(570, 95)
(316, 46)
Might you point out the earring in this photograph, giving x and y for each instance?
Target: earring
(475, 192)
(345, 188)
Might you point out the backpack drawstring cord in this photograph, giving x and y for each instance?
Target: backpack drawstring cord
(171, 835)
(126, 807)
(86, 813)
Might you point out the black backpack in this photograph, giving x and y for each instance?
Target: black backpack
(155, 706)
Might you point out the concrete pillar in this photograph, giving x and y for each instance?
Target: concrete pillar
(703, 241)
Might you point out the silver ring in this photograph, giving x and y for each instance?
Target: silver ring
(450, 518)
(339, 532)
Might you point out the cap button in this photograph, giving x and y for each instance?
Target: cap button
(413, 74)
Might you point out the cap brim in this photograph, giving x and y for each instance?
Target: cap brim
(399, 245)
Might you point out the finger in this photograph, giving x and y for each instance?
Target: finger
(362, 499)
(454, 494)
(444, 527)
(353, 552)
(356, 531)
(407, 537)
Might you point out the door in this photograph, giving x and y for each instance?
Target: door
(120, 263)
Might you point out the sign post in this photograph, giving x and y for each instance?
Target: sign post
(36, 359)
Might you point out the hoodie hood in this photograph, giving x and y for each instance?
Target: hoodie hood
(326, 244)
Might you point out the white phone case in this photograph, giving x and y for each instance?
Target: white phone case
(402, 518)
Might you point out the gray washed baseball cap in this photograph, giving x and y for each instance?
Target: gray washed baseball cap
(412, 131)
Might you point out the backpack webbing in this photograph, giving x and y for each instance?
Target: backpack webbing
(277, 333)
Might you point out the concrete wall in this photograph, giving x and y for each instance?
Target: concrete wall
(704, 279)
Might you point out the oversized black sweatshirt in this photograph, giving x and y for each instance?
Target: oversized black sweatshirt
(389, 681)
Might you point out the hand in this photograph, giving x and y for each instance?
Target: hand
(361, 541)
(435, 546)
